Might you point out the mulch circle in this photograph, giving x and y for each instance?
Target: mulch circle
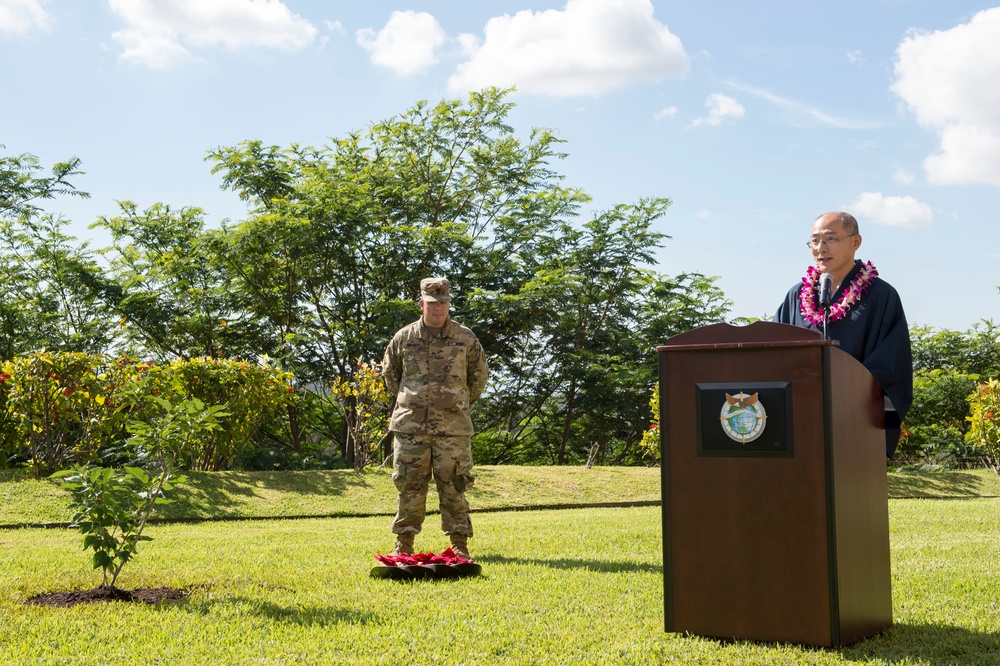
(102, 594)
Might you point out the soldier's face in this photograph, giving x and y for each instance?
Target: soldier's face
(435, 312)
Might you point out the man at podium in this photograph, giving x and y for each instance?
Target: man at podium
(862, 312)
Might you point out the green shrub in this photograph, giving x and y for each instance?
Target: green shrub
(650, 443)
(365, 401)
(934, 431)
(10, 442)
(60, 407)
(67, 408)
(252, 394)
(984, 420)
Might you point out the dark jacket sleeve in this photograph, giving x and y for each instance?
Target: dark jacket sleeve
(887, 353)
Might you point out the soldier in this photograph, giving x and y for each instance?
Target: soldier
(436, 369)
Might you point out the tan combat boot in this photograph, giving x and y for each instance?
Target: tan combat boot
(460, 545)
(404, 545)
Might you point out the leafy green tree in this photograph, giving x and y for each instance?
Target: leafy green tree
(973, 352)
(680, 303)
(22, 186)
(592, 286)
(341, 235)
(596, 313)
(168, 286)
(43, 302)
(45, 296)
(344, 233)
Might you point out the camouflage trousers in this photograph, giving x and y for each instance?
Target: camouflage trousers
(415, 459)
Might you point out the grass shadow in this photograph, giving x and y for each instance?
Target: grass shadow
(305, 616)
(934, 485)
(224, 494)
(568, 563)
(314, 616)
(931, 644)
(926, 644)
(312, 482)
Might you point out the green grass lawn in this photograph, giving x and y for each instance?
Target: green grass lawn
(347, 493)
(343, 492)
(568, 586)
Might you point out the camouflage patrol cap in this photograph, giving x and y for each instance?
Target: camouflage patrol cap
(435, 290)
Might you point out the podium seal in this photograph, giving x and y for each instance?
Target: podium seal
(743, 417)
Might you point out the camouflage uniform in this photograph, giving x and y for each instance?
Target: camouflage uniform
(435, 378)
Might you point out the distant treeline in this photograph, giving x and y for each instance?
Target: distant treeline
(326, 266)
(567, 302)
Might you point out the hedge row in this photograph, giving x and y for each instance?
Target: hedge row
(70, 407)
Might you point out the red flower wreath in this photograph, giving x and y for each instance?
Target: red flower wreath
(446, 557)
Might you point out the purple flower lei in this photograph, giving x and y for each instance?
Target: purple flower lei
(807, 296)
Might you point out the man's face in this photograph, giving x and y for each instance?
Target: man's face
(435, 312)
(833, 256)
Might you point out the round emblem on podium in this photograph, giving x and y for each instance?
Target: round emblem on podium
(743, 417)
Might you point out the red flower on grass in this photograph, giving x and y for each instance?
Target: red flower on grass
(446, 557)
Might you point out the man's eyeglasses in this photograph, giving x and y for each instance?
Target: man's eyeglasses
(829, 240)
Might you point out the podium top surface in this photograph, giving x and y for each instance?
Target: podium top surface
(757, 334)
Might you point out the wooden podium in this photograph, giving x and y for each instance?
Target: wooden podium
(775, 499)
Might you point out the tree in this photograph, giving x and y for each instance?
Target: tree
(168, 286)
(113, 508)
(45, 299)
(340, 236)
(973, 352)
(43, 302)
(21, 187)
(595, 313)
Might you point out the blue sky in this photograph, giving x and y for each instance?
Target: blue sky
(753, 118)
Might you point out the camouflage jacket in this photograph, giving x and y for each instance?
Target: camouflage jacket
(434, 379)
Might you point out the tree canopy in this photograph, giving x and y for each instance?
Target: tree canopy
(326, 266)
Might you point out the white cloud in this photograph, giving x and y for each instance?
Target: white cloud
(803, 115)
(890, 211)
(903, 176)
(20, 17)
(408, 44)
(159, 33)
(720, 108)
(668, 112)
(468, 44)
(588, 48)
(948, 78)
(856, 57)
(152, 50)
